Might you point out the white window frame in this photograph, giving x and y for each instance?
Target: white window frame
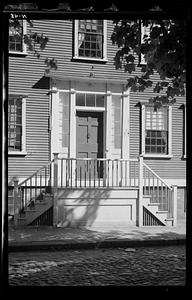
(185, 132)
(76, 55)
(24, 46)
(23, 139)
(143, 129)
(143, 29)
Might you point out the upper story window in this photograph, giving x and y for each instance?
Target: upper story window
(145, 32)
(156, 131)
(16, 124)
(90, 39)
(16, 33)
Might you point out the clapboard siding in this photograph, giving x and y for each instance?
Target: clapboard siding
(174, 167)
(25, 73)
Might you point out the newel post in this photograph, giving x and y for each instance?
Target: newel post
(16, 201)
(174, 201)
(140, 198)
(55, 188)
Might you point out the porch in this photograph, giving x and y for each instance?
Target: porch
(95, 192)
(72, 192)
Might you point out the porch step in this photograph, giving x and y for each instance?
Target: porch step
(40, 207)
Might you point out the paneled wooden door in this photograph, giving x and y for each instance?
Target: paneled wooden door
(89, 144)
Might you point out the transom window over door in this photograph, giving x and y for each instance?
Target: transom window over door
(90, 100)
(90, 39)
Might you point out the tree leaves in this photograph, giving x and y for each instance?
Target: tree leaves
(164, 49)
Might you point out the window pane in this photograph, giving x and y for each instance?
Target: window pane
(90, 38)
(14, 123)
(90, 100)
(16, 36)
(80, 99)
(156, 142)
(99, 100)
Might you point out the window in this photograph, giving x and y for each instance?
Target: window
(16, 128)
(156, 131)
(16, 43)
(10, 201)
(90, 39)
(184, 131)
(90, 100)
(145, 31)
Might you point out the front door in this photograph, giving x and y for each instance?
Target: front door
(89, 143)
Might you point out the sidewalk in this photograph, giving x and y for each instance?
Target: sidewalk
(50, 238)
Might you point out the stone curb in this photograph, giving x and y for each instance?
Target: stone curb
(73, 245)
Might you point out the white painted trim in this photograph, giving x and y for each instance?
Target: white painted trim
(76, 38)
(55, 125)
(170, 131)
(125, 125)
(17, 153)
(90, 108)
(108, 125)
(185, 132)
(23, 137)
(23, 147)
(156, 155)
(72, 122)
(142, 129)
(92, 92)
(24, 46)
(76, 56)
(104, 40)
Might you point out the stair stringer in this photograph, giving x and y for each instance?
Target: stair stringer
(153, 208)
(39, 208)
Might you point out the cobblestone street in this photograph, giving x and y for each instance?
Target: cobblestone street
(144, 266)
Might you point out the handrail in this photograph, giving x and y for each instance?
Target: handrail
(101, 159)
(30, 177)
(154, 173)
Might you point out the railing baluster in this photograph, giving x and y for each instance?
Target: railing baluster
(108, 172)
(75, 173)
(134, 176)
(80, 175)
(62, 172)
(66, 163)
(112, 172)
(94, 161)
(117, 172)
(89, 173)
(71, 162)
(85, 169)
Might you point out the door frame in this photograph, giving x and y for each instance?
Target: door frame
(73, 111)
(103, 116)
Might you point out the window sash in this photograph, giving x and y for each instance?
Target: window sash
(16, 43)
(156, 131)
(90, 42)
(15, 124)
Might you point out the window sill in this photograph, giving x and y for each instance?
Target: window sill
(15, 153)
(163, 156)
(17, 53)
(87, 59)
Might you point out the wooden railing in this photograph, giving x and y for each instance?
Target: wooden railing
(159, 191)
(35, 187)
(94, 173)
(97, 173)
